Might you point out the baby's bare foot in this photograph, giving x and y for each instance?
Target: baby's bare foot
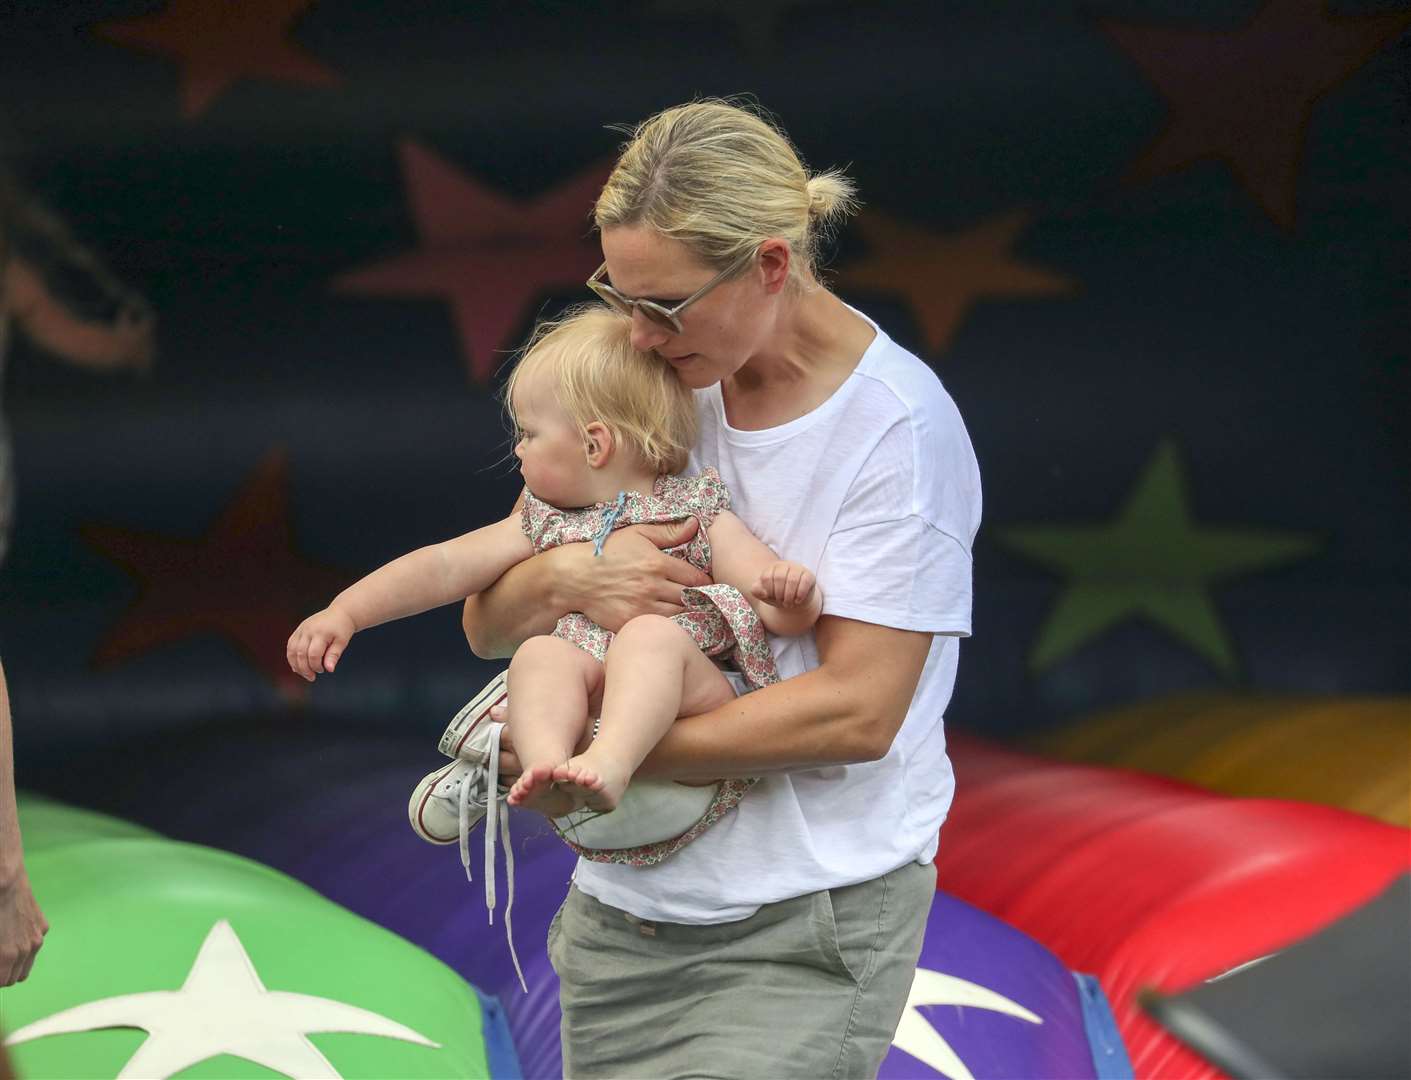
(535, 790)
(596, 784)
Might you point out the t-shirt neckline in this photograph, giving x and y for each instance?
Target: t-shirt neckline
(781, 432)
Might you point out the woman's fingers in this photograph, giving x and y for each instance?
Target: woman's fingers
(682, 572)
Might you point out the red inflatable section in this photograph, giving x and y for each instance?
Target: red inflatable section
(1144, 881)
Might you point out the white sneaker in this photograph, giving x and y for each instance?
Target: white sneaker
(458, 740)
(434, 809)
(451, 801)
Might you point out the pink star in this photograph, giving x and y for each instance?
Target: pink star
(219, 42)
(490, 257)
(242, 580)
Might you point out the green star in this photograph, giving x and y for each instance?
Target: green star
(1151, 560)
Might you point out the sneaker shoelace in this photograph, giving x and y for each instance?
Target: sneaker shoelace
(481, 787)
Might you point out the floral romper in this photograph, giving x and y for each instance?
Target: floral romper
(718, 617)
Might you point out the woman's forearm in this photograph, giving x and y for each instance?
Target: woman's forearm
(524, 602)
(800, 723)
(632, 577)
(846, 710)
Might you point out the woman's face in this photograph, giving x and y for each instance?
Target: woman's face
(719, 332)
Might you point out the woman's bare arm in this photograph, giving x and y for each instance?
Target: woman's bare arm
(848, 709)
(633, 577)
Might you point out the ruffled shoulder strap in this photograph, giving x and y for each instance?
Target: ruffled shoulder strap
(702, 496)
(542, 523)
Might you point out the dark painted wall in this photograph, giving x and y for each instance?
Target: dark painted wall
(1158, 253)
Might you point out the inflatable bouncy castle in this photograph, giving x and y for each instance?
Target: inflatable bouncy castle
(1063, 891)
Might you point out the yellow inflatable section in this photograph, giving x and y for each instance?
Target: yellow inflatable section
(1352, 752)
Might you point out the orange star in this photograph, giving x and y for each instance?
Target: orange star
(1244, 97)
(219, 41)
(488, 256)
(242, 580)
(943, 274)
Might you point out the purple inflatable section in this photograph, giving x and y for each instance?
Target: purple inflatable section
(987, 999)
(991, 999)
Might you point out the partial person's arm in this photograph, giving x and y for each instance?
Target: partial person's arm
(427, 578)
(22, 924)
(632, 577)
(128, 342)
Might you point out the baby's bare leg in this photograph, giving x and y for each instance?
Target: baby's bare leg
(653, 674)
(551, 683)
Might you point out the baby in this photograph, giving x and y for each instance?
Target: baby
(603, 432)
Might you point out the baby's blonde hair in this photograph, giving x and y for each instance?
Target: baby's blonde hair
(596, 374)
(722, 179)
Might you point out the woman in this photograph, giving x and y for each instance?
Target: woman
(784, 941)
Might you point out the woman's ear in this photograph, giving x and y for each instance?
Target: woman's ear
(598, 444)
(774, 260)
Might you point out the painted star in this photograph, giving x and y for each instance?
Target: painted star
(1151, 560)
(917, 1037)
(241, 580)
(1244, 97)
(217, 44)
(223, 1008)
(489, 256)
(943, 274)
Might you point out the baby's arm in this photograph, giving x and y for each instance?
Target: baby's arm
(419, 581)
(784, 594)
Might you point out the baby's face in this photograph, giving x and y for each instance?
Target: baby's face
(552, 459)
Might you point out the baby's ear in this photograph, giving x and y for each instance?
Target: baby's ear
(597, 444)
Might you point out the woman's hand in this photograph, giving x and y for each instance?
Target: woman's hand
(632, 577)
(319, 641)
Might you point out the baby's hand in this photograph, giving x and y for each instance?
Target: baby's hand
(319, 641)
(785, 585)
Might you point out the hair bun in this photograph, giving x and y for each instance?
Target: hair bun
(830, 195)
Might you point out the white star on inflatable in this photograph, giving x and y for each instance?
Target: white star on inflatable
(917, 1037)
(222, 1008)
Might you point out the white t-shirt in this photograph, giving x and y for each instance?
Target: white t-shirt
(877, 489)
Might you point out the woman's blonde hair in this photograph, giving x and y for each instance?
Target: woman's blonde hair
(596, 374)
(722, 178)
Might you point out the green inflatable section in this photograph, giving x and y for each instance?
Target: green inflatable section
(168, 959)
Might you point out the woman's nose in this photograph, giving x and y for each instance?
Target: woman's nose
(646, 334)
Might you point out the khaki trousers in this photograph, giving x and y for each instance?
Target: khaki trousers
(809, 987)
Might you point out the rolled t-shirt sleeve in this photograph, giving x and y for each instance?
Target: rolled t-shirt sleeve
(904, 573)
(899, 550)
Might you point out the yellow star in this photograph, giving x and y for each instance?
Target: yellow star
(943, 274)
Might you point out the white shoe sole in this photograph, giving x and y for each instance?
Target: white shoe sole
(465, 723)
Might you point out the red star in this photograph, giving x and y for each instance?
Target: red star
(1244, 97)
(219, 41)
(488, 256)
(242, 580)
(943, 274)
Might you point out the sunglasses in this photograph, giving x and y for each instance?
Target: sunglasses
(668, 318)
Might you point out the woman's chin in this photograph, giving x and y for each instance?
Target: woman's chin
(694, 374)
